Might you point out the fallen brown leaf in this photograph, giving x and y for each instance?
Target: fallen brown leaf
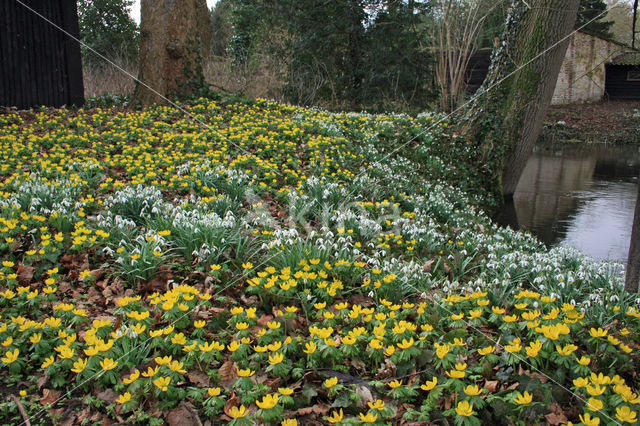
(233, 401)
(228, 373)
(319, 409)
(555, 419)
(428, 265)
(25, 274)
(107, 395)
(184, 414)
(50, 396)
(491, 385)
(199, 378)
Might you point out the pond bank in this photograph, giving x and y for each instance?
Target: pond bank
(606, 122)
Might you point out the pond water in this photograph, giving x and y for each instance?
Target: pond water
(580, 197)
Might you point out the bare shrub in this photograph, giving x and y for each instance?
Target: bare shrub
(106, 78)
(261, 79)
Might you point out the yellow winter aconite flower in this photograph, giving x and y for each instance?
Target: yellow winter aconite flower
(510, 318)
(177, 367)
(108, 364)
(498, 310)
(233, 346)
(567, 349)
(79, 365)
(395, 384)
(625, 348)
(276, 358)
(626, 414)
(336, 417)
(429, 384)
(162, 383)
(47, 362)
(150, 371)
(455, 374)
(594, 404)
(599, 379)
(406, 344)
(285, 391)
(596, 390)
(376, 344)
(132, 377)
(66, 352)
(599, 332)
(588, 420)
(179, 339)
(457, 317)
(584, 361)
(10, 356)
(514, 346)
(523, 398)
(486, 350)
(472, 390)
(465, 409)
(581, 382)
(368, 418)
(163, 360)
(268, 401)
(245, 373)
(329, 383)
(442, 350)
(533, 349)
(238, 412)
(124, 398)
(289, 422)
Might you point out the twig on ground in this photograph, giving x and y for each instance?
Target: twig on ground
(21, 409)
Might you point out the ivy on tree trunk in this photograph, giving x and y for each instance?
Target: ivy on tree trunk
(174, 34)
(503, 123)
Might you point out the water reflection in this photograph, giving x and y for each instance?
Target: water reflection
(581, 198)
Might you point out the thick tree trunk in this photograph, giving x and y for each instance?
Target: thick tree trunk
(545, 26)
(174, 37)
(633, 25)
(632, 278)
(505, 122)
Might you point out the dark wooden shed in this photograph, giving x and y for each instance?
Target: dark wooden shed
(622, 80)
(39, 64)
(477, 69)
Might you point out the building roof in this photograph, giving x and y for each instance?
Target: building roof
(605, 38)
(627, 58)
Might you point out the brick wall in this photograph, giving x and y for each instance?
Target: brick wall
(582, 75)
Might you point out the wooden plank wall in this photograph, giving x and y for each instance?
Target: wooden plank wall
(39, 64)
(616, 85)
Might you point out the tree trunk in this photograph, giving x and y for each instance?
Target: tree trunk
(506, 119)
(175, 35)
(632, 277)
(633, 25)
